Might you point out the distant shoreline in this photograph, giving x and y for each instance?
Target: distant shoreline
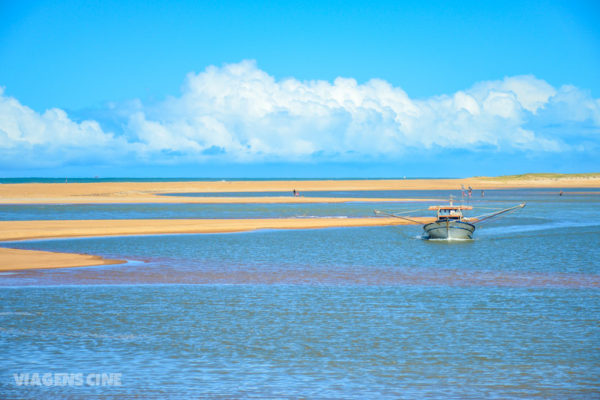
(199, 179)
(152, 192)
(15, 180)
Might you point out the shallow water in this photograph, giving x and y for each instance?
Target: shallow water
(493, 198)
(370, 312)
(183, 211)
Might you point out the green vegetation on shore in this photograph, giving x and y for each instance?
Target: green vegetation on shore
(535, 176)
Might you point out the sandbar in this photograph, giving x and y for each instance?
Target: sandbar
(48, 229)
(151, 192)
(16, 259)
(19, 259)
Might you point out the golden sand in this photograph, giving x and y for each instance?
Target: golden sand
(18, 259)
(23, 230)
(150, 192)
(11, 259)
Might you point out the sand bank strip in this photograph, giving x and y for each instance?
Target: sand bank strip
(149, 192)
(158, 199)
(24, 230)
(18, 259)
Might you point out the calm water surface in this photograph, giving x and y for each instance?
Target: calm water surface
(333, 313)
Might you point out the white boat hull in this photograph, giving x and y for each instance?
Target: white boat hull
(449, 230)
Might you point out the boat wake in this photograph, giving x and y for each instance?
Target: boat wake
(500, 230)
(425, 237)
(446, 239)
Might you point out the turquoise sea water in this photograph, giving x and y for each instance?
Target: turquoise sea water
(198, 179)
(358, 313)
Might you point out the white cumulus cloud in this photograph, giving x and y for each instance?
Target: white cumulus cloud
(239, 113)
(51, 138)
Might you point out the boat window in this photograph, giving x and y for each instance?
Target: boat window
(449, 214)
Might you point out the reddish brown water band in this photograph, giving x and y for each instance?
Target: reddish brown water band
(164, 272)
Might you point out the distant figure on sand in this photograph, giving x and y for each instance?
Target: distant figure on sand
(482, 193)
(561, 193)
(470, 191)
(295, 192)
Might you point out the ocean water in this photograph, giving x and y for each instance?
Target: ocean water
(183, 179)
(213, 210)
(372, 312)
(325, 193)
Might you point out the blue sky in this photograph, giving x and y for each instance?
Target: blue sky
(228, 88)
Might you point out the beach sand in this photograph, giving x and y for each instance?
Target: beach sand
(150, 192)
(24, 230)
(18, 259)
(12, 259)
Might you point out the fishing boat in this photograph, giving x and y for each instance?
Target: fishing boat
(450, 222)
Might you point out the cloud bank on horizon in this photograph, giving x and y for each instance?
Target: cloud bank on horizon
(239, 113)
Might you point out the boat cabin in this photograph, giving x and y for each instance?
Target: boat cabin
(448, 213)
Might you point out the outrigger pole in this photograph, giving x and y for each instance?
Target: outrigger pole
(377, 212)
(481, 218)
